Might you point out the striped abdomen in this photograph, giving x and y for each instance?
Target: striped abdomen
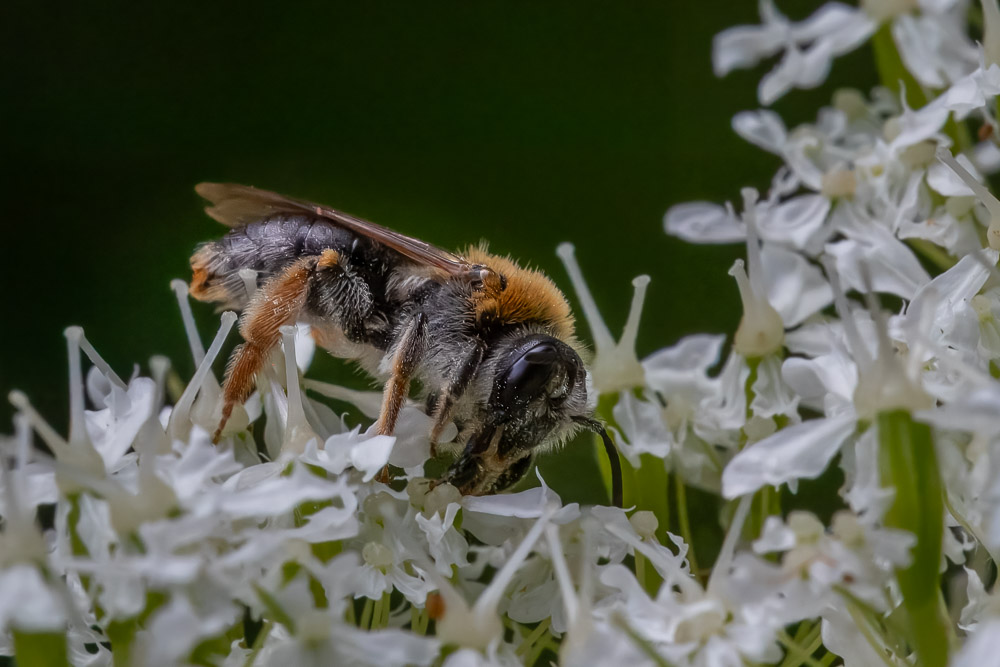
(266, 247)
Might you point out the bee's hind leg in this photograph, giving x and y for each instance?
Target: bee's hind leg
(276, 304)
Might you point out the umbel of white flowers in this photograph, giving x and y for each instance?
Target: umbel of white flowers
(280, 546)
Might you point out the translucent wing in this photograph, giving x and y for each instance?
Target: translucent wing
(236, 205)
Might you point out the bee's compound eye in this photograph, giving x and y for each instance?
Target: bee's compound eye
(528, 375)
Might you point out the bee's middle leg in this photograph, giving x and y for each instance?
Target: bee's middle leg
(406, 356)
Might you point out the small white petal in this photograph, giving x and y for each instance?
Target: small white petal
(912, 38)
(763, 128)
(776, 536)
(798, 69)
(795, 288)
(795, 452)
(946, 182)
(892, 267)
(642, 424)
(797, 221)
(28, 602)
(744, 46)
(372, 455)
(703, 222)
(982, 648)
(771, 395)
(685, 364)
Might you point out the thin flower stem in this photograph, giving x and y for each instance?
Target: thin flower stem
(712, 455)
(803, 655)
(366, 613)
(383, 621)
(547, 641)
(640, 642)
(414, 620)
(258, 643)
(685, 522)
(350, 617)
(933, 253)
(722, 563)
(640, 570)
(806, 635)
(880, 648)
(805, 628)
(908, 464)
(828, 659)
(892, 71)
(529, 642)
(653, 491)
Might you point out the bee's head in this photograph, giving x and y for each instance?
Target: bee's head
(537, 396)
(538, 379)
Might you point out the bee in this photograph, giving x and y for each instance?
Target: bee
(491, 344)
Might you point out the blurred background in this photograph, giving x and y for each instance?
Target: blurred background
(525, 123)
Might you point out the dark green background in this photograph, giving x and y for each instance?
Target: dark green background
(526, 123)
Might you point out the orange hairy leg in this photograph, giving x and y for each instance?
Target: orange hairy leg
(405, 358)
(276, 304)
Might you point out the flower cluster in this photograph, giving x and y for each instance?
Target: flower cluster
(867, 358)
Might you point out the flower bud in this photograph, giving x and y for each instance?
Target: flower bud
(645, 523)
(377, 555)
(839, 183)
(761, 331)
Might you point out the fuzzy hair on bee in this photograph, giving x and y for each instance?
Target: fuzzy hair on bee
(491, 344)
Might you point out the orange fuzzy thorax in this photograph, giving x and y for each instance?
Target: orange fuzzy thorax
(529, 296)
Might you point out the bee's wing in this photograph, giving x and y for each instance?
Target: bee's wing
(236, 205)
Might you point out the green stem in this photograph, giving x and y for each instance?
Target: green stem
(653, 492)
(880, 648)
(258, 643)
(891, 70)
(383, 621)
(366, 613)
(376, 617)
(640, 571)
(803, 655)
(908, 464)
(640, 642)
(685, 522)
(938, 256)
(41, 648)
(529, 642)
(349, 615)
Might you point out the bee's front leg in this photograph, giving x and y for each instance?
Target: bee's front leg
(480, 470)
(452, 392)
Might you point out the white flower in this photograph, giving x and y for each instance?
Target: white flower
(809, 46)
(982, 648)
(615, 365)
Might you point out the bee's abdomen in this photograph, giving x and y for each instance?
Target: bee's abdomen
(266, 246)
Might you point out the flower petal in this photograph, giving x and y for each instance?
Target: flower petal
(800, 451)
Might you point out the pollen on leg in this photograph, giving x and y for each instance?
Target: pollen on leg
(328, 259)
(202, 287)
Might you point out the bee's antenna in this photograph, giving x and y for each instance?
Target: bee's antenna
(613, 459)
